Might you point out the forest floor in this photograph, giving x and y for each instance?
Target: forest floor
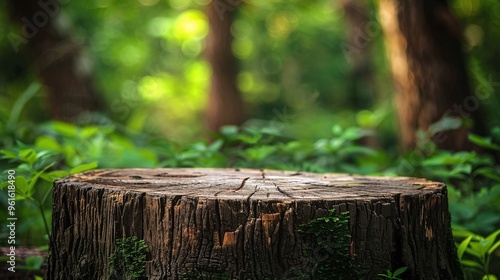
(21, 254)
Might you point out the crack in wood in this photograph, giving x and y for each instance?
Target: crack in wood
(283, 192)
(178, 175)
(242, 184)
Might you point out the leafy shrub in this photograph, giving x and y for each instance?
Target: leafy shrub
(475, 253)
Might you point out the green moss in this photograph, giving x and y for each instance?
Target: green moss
(192, 275)
(129, 259)
(329, 240)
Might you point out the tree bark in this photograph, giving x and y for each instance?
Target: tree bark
(59, 58)
(225, 105)
(243, 224)
(424, 44)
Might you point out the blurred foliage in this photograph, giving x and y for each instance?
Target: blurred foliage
(308, 111)
(148, 62)
(60, 149)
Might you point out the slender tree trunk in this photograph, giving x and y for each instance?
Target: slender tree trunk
(225, 105)
(358, 53)
(59, 58)
(423, 39)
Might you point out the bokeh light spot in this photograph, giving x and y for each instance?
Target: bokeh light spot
(148, 2)
(191, 24)
(474, 35)
(243, 47)
(281, 24)
(180, 4)
(191, 48)
(152, 88)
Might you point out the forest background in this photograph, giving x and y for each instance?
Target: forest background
(355, 86)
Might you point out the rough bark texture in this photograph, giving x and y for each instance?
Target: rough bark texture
(58, 57)
(243, 223)
(424, 44)
(225, 105)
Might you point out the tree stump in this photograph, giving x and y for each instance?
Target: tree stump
(243, 224)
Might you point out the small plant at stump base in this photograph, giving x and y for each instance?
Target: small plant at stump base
(129, 259)
(331, 240)
(392, 275)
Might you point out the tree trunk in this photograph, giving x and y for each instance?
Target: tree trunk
(243, 224)
(59, 58)
(424, 44)
(357, 52)
(225, 105)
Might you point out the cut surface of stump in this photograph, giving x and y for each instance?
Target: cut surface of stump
(243, 224)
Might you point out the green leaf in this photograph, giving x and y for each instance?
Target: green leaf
(351, 150)
(488, 171)
(35, 262)
(483, 142)
(32, 181)
(215, 146)
(22, 187)
(461, 232)
(32, 263)
(471, 263)
(492, 237)
(3, 185)
(18, 106)
(399, 271)
(493, 248)
(65, 129)
(250, 139)
(461, 168)
(353, 133)
(83, 167)
(260, 153)
(336, 130)
(229, 130)
(54, 175)
(47, 143)
(89, 131)
(478, 248)
(8, 154)
(445, 124)
(463, 245)
(28, 155)
(489, 277)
